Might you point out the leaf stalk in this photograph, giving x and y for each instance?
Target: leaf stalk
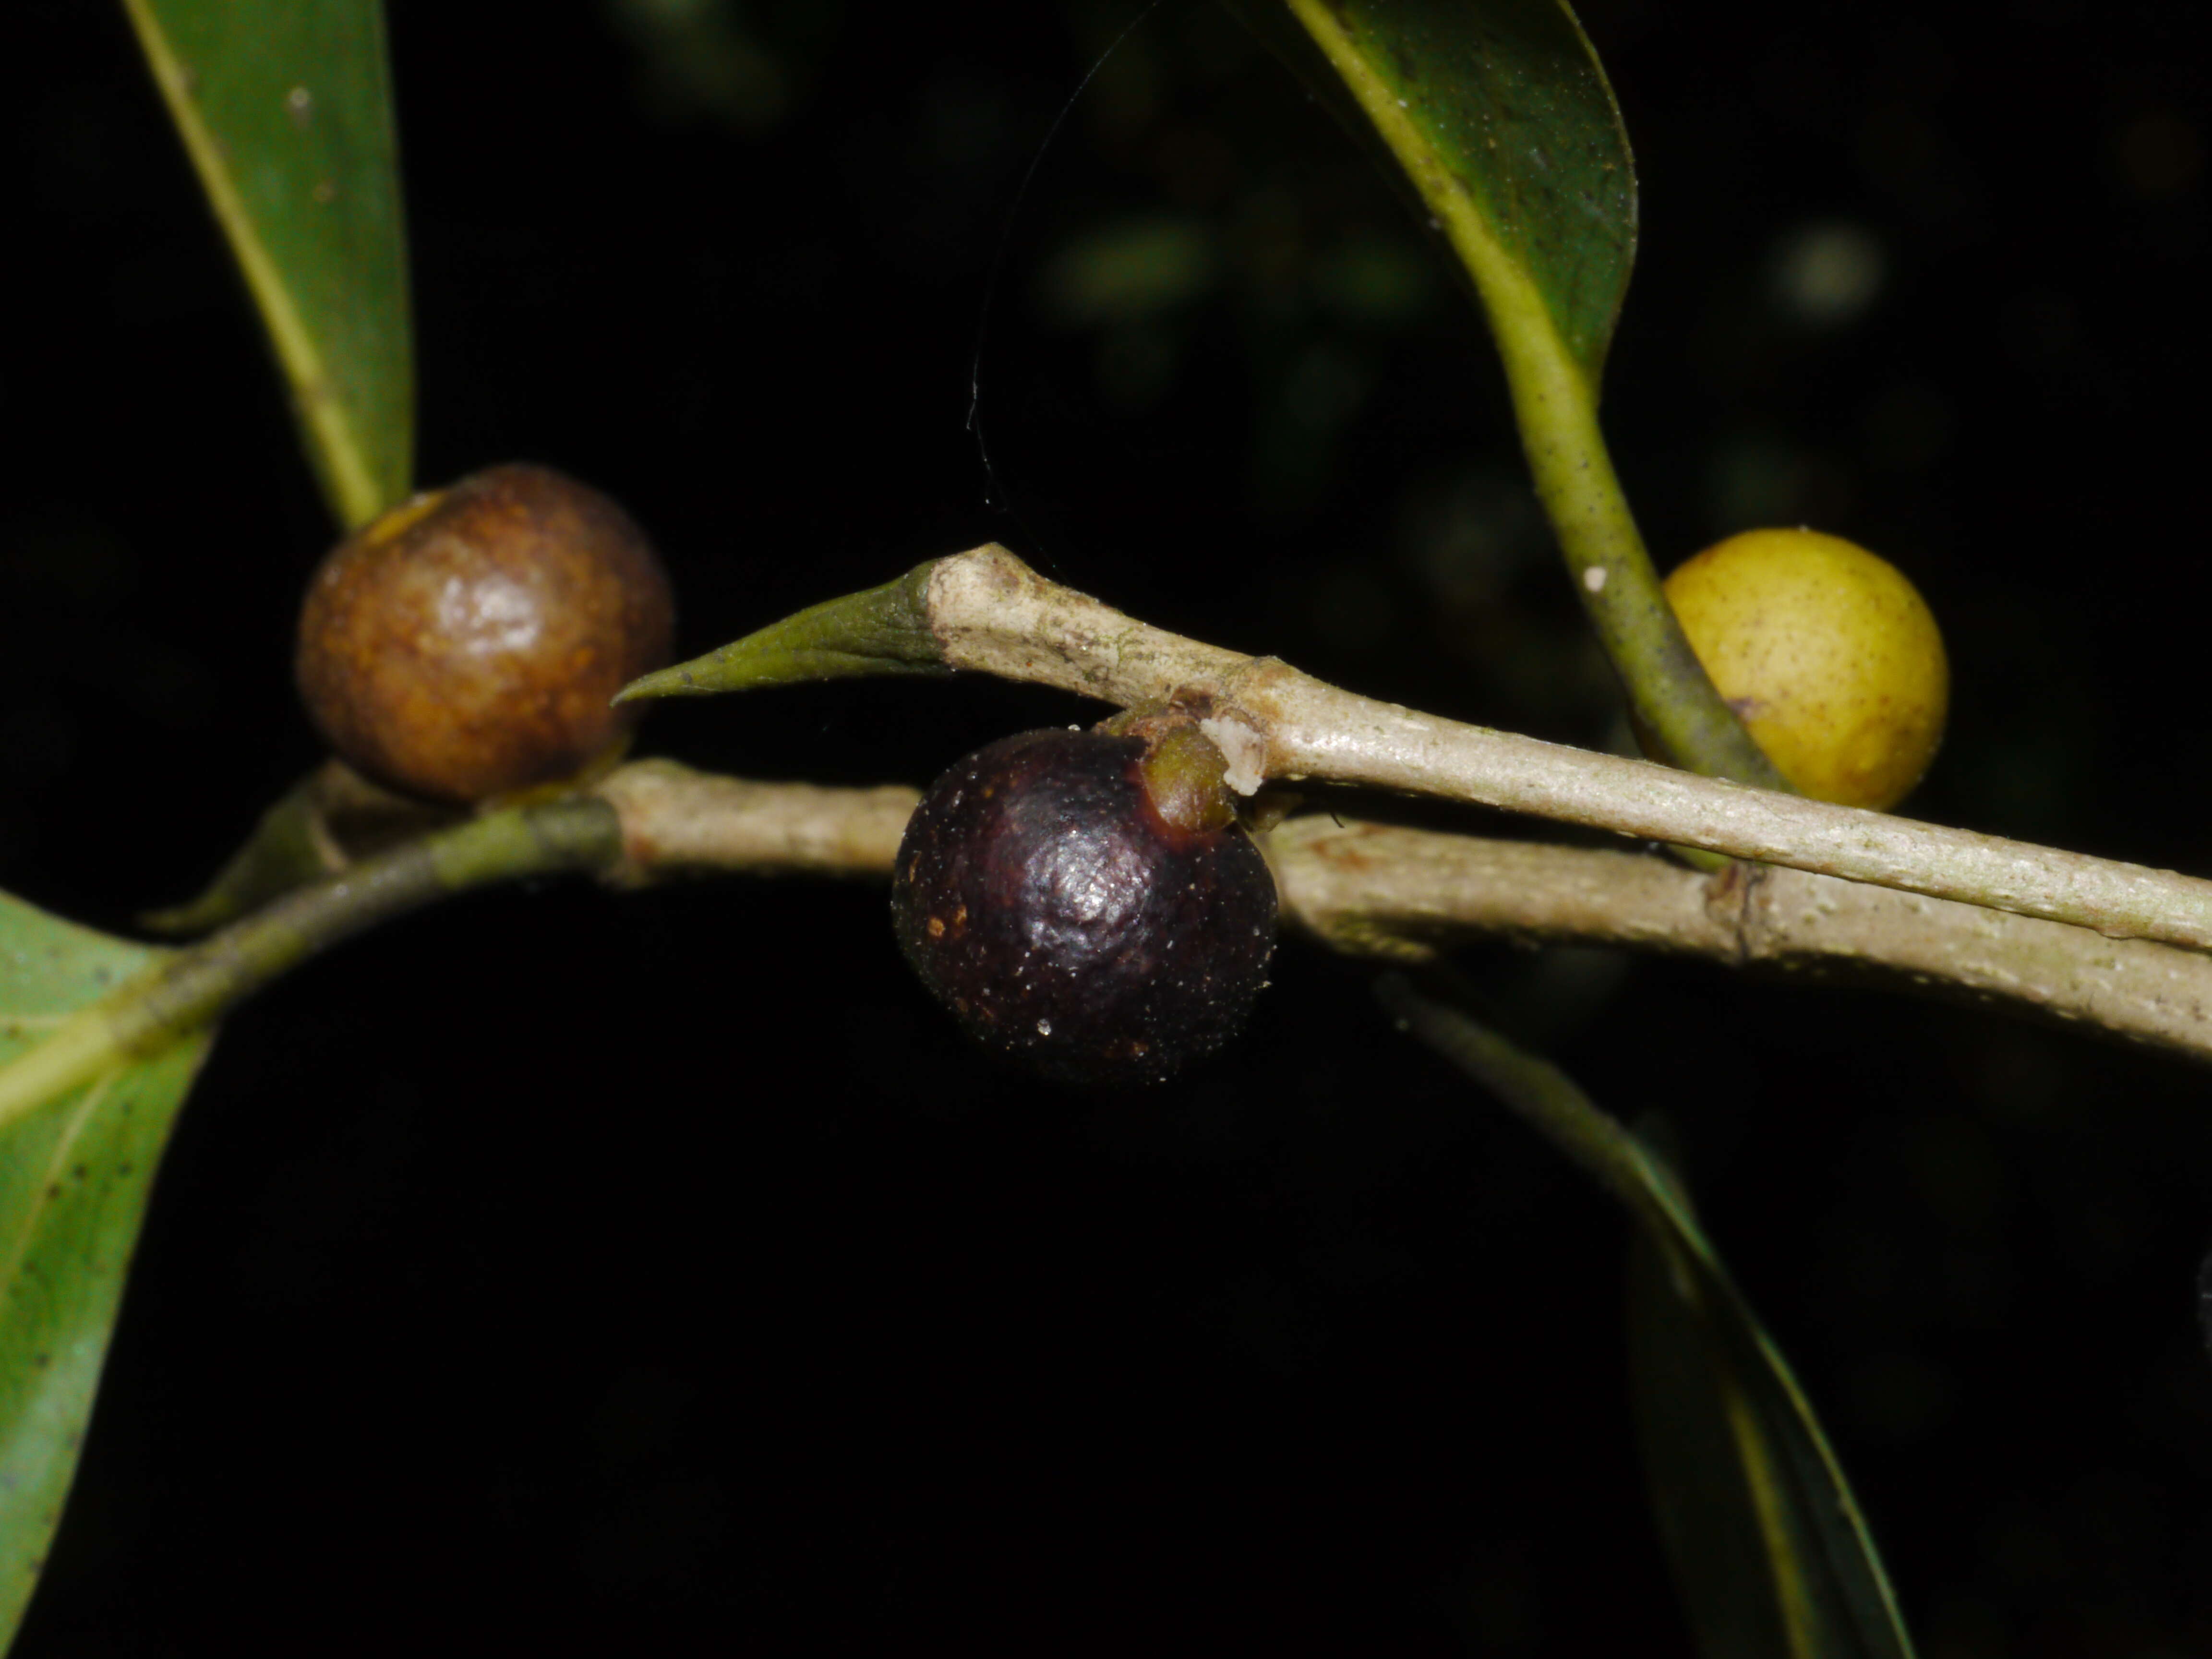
(187, 991)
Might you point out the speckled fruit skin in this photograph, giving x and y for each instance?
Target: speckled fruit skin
(465, 646)
(1830, 656)
(1044, 901)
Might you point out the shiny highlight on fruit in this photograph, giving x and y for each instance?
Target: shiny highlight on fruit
(1073, 919)
(466, 645)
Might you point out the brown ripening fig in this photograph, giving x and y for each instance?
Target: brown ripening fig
(1085, 902)
(465, 645)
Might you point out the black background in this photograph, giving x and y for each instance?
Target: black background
(563, 1271)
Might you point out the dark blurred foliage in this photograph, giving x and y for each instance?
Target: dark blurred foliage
(564, 1271)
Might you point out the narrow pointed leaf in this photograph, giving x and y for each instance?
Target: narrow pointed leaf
(331, 817)
(288, 848)
(285, 107)
(1495, 115)
(1773, 1555)
(883, 630)
(1742, 1474)
(74, 1175)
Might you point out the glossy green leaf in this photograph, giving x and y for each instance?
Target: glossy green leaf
(1496, 115)
(74, 1175)
(1768, 1545)
(285, 107)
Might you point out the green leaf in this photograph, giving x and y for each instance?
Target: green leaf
(1768, 1545)
(288, 847)
(74, 1174)
(881, 630)
(285, 107)
(1497, 118)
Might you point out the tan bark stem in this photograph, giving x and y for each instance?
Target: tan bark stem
(992, 613)
(675, 820)
(1380, 889)
(1373, 889)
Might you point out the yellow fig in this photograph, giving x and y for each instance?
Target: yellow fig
(1829, 656)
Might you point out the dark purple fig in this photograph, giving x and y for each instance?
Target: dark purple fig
(1080, 902)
